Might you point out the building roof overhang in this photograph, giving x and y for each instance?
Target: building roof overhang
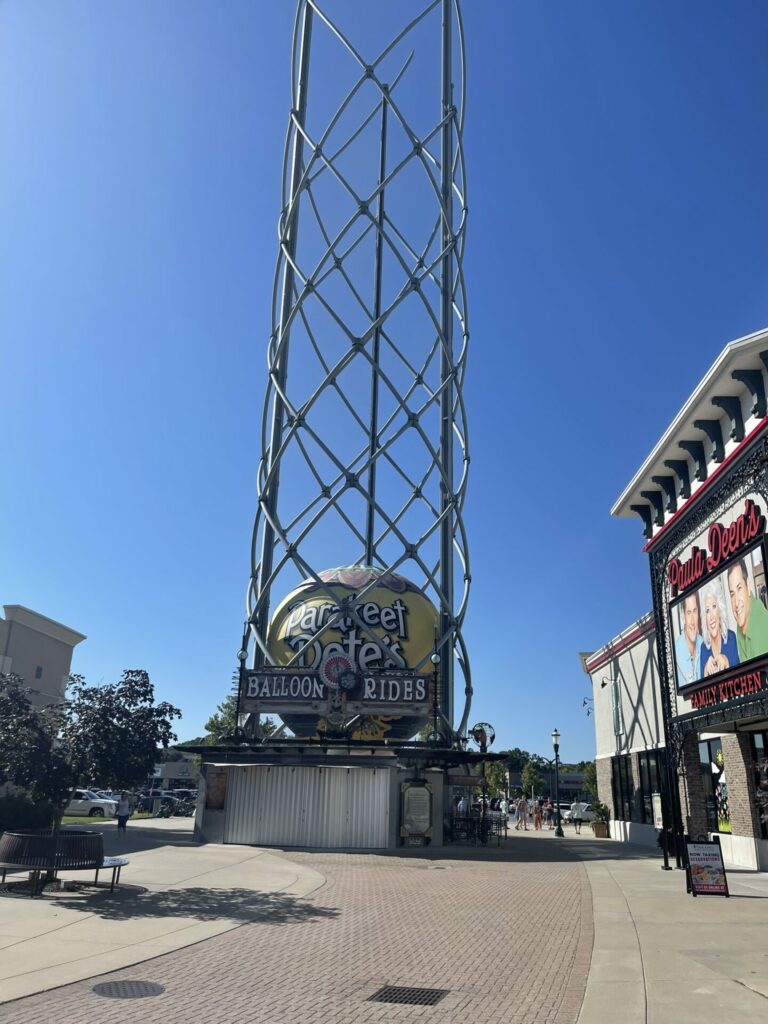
(595, 660)
(724, 414)
(42, 624)
(293, 750)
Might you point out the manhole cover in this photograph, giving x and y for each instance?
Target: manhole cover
(412, 996)
(128, 989)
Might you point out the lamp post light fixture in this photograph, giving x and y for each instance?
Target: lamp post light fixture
(558, 819)
(435, 659)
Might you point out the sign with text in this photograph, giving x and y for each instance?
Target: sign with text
(658, 815)
(728, 687)
(363, 636)
(286, 690)
(416, 810)
(723, 544)
(717, 592)
(706, 871)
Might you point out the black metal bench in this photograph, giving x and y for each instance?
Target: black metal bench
(117, 864)
(42, 853)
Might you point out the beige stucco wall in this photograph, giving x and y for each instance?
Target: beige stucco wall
(39, 650)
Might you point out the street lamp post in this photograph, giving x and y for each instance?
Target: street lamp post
(435, 659)
(556, 745)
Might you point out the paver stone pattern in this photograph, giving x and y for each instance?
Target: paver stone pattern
(508, 932)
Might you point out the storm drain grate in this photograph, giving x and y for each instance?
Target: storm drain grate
(412, 996)
(128, 989)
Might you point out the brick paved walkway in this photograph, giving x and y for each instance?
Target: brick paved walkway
(508, 932)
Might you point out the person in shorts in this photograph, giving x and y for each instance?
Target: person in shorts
(577, 815)
(549, 814)
(123, 813)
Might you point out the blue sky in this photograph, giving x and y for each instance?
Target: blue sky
(616, 169)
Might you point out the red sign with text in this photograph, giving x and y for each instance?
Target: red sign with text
(722, 543)
(740, 684)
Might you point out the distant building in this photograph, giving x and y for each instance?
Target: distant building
(183, 774)
(39, 650)
(571, 784)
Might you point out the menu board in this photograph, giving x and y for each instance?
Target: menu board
(416, 809)
(705, 870)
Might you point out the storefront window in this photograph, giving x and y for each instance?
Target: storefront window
(760, 762)
(623, 787)
(715, 785)
(652, 769)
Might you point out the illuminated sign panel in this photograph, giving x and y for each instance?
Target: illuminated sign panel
(353, 645)
(718, 610)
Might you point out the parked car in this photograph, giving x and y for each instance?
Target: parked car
(152, 803)
(186, 794)
(587, 814)
(86, 802)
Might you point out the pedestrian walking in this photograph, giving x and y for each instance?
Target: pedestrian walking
(577, 815)
(522, 814)
(549, 811)
(123, 812)
(537, 817)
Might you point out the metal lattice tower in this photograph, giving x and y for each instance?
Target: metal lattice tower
(364, 435)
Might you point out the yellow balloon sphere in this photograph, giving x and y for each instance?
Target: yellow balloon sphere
(358, 619)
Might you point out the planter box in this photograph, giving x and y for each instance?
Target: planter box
(600, 828)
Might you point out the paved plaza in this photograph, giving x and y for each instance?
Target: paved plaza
(538, 930)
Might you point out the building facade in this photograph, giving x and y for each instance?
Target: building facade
(38, 650)
(681, 698)
(181, 774)
(629, 729)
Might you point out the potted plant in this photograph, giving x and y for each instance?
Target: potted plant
(601, 819)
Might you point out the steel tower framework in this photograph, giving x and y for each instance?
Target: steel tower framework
(364, 435)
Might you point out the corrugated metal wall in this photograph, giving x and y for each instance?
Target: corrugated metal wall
(271, 805)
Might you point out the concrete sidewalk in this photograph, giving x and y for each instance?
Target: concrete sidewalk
(174, 893)
(661, 955)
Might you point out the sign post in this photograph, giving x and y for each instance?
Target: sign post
(705, 871)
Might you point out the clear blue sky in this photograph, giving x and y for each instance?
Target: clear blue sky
(616, 164)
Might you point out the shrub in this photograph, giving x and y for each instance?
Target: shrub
(602, 811)
(19, 812)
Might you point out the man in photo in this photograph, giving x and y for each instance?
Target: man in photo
(750, 614)
(688, 644)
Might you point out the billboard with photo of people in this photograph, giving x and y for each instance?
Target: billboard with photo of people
(721, 622)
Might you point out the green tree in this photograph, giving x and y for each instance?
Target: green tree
(29, 756)
(517, 758)
(223, 722)
(170, 755)
(496, 778)
(531, 780)
(108, 735)
(590, 780)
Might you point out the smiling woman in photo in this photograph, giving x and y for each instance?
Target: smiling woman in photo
(719, 650)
